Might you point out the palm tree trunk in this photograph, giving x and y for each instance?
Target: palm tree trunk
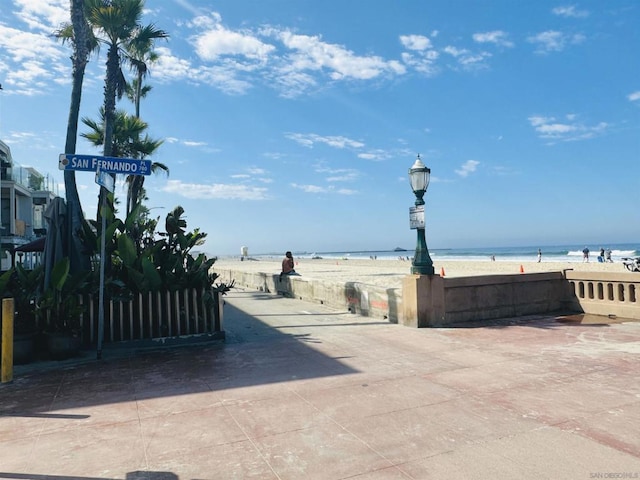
(138, 94)
(75, 218)
(113, 67)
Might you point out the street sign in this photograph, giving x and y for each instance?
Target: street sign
(106, 180)
(93, 163)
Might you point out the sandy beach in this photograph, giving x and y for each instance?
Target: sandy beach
(389, 273)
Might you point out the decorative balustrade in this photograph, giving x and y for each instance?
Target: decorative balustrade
(614, 294)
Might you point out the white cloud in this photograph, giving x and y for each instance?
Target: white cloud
(497, 37)
(23, 45)
(634, 97)
(32, 56)
(467, 168)
(43, 15)
(310, 53)
(289, 62)
(170, 67)
(220, 41)
(223, 76)
(338, 174)
(211, 20)
(375, 155)
(28, 57)
(346, 191)
(310, 139)
(293, 83)
(554, 41)
(254, 174)
(318, 189)
(310, 188)
(549, 128)
(415, 42)
(422, 55)
(570, 11)
(41, 140)
(220, 191)
(466, 58)
(423, 63)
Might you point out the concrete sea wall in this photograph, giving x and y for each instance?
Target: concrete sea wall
(431, 300)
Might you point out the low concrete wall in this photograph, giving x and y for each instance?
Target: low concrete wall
(431, 300)
(364, 299)
(612, 294)
(440, 301)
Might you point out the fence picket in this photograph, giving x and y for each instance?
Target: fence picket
(159, 315)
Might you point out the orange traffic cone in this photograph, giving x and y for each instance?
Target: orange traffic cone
(442, 271)
(521, 269)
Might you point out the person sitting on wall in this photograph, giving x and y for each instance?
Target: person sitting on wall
(287, 265)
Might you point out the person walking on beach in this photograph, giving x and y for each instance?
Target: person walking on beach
(539, 255)
(287, 265)
(601, 257)
(585, 255)
(608, 256)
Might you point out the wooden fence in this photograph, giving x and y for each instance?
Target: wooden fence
(153, 316)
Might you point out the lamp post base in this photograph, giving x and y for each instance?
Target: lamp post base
(422, 270)
(422, 264)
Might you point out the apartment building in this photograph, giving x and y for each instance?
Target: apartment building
(25, 195)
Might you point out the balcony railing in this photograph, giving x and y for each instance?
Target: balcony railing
(28, 179)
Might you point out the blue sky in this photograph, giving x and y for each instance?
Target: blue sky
(291, 125)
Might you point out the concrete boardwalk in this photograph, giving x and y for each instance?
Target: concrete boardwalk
(300, 391)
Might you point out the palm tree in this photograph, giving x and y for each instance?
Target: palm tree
(127, 142)
(135, 93)
(126, 139)
(81, 37)
(118, 24)
(139, 55)
(135, 189)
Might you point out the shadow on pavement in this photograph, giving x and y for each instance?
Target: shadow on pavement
(254, 353)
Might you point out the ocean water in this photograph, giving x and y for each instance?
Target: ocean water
(550, 253)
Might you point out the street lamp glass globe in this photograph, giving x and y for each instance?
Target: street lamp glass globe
(419, 176)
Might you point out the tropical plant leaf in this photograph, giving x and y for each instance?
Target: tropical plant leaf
(59, 274)
(4, 281)
(151, 274)
(127, 250)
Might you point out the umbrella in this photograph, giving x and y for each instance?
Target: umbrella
(54, 248)
(36, 246)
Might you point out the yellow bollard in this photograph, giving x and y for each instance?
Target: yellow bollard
(6, 374)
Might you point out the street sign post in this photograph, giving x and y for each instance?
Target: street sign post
(91, 163)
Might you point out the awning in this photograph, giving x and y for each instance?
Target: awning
(35, 246)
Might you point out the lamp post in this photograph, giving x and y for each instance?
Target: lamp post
(419, 177)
